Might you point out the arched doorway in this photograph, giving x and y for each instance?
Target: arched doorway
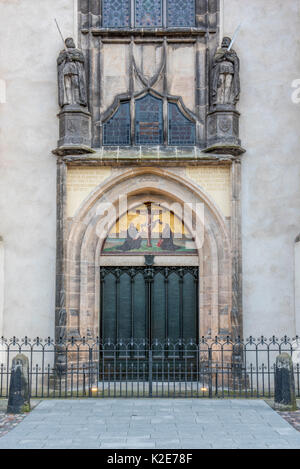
(157, 300)
(86, 256)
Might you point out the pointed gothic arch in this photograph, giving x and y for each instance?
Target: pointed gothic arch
(84, 247)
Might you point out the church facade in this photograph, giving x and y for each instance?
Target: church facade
(150, 169)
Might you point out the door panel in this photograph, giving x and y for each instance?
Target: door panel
(174, 307)
(109, 307)
(149, 303)
(124, 326)
(158, 308)
(189, 291)
(139, 307)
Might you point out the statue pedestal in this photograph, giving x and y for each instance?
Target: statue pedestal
(223, 131)
(74, 131)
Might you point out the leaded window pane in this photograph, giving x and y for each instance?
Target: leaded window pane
(181, 13)
(116, 13)
(182, 131)
(149, 121)
(148, 13)
(117, 130)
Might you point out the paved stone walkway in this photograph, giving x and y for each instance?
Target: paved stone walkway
(151, 424)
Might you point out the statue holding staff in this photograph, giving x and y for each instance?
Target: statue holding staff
(225, 80)
(71, 76)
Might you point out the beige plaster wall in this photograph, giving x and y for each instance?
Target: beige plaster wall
(28, 132)
(269, 49)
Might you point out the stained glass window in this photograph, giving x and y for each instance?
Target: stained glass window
(182, 131)
(181, 13)
(117, 130)
(149, 121)
(148, 13)
(116, 13)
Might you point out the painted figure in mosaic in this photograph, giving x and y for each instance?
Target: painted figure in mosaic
(133, 239)
(225, 79)
(168, 244)
(71, 76)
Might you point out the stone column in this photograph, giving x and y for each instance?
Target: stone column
(60, 306)
(236, 239)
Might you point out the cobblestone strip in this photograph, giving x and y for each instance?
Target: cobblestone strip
(293, 418)
(9, 422)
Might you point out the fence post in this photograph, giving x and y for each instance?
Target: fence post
(90, 372)
(210, 393)
(150, 372)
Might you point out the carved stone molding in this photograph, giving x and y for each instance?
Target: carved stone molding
(223, 133)
(74, 132)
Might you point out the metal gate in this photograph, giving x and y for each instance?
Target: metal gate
(149, 303)
(147, 309)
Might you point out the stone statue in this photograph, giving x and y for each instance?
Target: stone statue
(71, 76)
(225, 80)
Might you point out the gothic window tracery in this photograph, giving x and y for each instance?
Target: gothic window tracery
(149, 121)
(149, 124)
(116, 131)
(181, 129)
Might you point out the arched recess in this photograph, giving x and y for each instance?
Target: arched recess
(94, 219)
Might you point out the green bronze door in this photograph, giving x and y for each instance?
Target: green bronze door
(149, 303)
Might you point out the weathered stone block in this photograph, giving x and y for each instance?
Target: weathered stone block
(223, 132)
(19, 399)
(285, 398)
(223, 127)
(74, 131)
(74, 127)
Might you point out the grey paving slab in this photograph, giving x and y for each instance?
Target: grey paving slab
(152, 424)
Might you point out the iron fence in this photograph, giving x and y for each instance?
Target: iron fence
(84, 367)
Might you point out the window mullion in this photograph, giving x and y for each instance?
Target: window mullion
(165, 117)
(164, 13)
(132, 13)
